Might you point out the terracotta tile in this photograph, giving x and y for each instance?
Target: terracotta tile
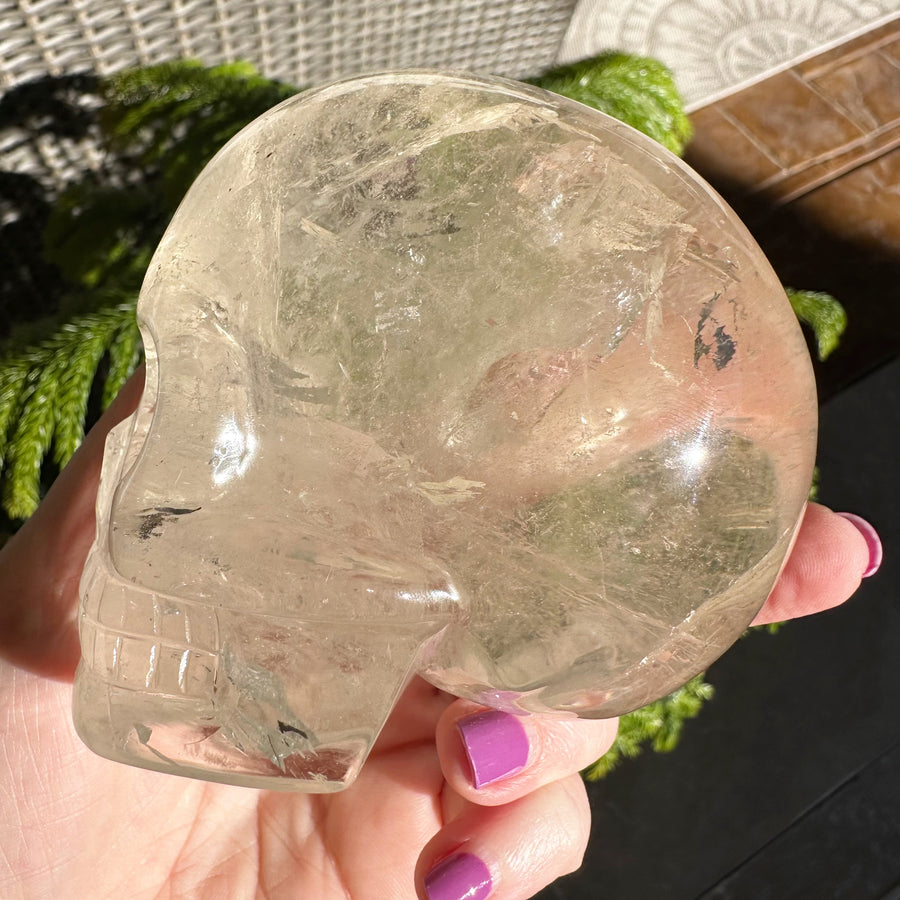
(864, 44)
(793, 122)
(788, 186)
(722, 149)
(863, 205)
(892, 50)
(866, 89)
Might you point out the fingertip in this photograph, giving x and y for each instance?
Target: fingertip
(491, 757)
(495, 744)
(830, 557)
(460, 876)
(507, 852)
(479, 749)
(873, 542)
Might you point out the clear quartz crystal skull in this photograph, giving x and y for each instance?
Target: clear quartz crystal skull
(445, 375)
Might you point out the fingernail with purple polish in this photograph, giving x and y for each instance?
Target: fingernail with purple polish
(459, 877)
(496, 745)
(873, 542)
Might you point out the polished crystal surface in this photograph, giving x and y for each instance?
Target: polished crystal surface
(445, 375)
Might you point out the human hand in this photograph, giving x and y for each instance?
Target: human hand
(414, 824)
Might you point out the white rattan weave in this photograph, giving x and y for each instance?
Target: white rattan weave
(302, 42)
(299, 41)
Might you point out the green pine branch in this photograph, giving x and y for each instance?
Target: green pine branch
(44, 394)
(658, 725)
(823, 314)
(633, 89)
(173, 118)
(161, 125)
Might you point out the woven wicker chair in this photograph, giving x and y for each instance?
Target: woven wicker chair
(301, 42)
(298, 41)
(305, 42)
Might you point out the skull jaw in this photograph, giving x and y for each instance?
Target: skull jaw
(186, 743)
(252, 748)
(252, 700)
(260, 699)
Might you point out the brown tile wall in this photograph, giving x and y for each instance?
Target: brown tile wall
(810, 158)
(804, 127)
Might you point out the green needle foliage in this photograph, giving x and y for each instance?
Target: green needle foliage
(658, 725)
(823, 314)
(632, 89)
(44, 394)
(159, 127)
(172, 118)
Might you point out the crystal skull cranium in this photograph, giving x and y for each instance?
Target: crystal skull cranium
(445, 375)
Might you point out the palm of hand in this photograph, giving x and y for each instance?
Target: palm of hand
(173, 837)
